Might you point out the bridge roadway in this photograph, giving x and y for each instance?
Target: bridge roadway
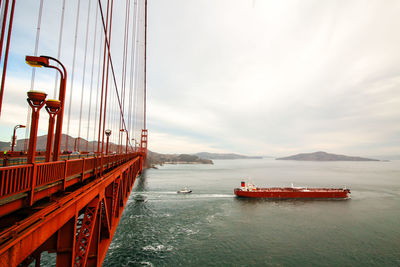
(71, 208)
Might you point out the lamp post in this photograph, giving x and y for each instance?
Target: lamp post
(108, 133)
(135, 144)
(36, 100)
(14, 138)
(43, 61)
(127, 138)
(53, 107)
(76, 139)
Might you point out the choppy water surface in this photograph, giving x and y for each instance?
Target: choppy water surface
(210, 227)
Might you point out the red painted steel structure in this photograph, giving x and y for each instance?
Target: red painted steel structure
(14, 137)
(69, 207)
(107, 133)
(43, 61)
(36, 100)
(143, 145)
(3, 77)
(52, 107)
(53, 227)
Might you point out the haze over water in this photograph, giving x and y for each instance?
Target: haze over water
(210, 227)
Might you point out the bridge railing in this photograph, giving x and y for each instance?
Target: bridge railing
(15, 180)
(49, 172)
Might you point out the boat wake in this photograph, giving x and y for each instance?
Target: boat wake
(212, 195)
(174, 195)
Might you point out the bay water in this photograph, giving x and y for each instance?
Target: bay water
(211, 227)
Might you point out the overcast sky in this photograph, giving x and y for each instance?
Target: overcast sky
(264, 77)
(274, 77)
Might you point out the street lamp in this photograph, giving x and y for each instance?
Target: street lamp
(36, 100)
(53, 107)
(135, 144)
(108, 133)
(127, 138)
(43, 61)
(14, 138)
(76, 139)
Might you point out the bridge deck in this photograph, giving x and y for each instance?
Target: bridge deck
(30, 223)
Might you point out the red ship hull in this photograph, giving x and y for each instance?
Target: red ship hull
(285, 193)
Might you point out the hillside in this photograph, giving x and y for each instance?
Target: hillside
(154, 158)
(42, 141)
(323, 156)
(5, 146)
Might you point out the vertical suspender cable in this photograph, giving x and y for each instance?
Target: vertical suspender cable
(91, 80)
(28, 118)
(37, 42)
(59, 46)
(131, 69)
(97, 96)
(137, 68)
(133, 59)
(108, 65)
(2, 12)
(103, 72)
(3, 77)
(141, 57)
(73, 72)
(145, 64)
(126, 63)
(83, 74)
(3, 25)
(123, 79)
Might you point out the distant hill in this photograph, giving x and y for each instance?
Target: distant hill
(5, 146)
(206, 155)
(154, 158)
(323, 156)
(42, 141)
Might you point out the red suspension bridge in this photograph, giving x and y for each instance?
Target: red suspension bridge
(64, 192)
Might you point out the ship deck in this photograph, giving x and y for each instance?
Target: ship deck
(291, 189)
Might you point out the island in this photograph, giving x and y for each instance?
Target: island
(324, 156)
(154, 159)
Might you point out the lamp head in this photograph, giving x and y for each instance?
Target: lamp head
(36, 98)
(53, 106)
(37, 61)
(107, 132)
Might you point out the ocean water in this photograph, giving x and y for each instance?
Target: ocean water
(211, 227)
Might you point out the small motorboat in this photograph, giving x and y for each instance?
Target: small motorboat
(184, 191)
(140, 198)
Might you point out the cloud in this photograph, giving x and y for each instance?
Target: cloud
(268, 78)
(279, 77)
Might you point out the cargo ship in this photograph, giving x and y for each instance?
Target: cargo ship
(251, 191)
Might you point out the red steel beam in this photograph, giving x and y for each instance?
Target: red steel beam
(26, 237)
(3, 77)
